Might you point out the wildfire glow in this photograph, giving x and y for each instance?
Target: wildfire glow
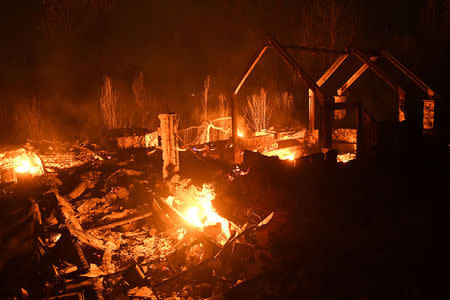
(346, 157)
(195, 206)
(28, 164)
(290, 157)
(284, 154)
(22, 161)
(23, 166)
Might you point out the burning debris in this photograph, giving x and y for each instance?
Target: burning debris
(346, 157)
(17, 163)
(112, 227)
(254, 194)
(284, 154)
(195, 206)
(109, 224)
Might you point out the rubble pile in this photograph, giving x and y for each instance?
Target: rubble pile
(112, 228)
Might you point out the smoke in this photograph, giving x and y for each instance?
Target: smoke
(59, 52)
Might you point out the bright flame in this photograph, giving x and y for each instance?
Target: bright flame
(284, 154)
(290, 157)
(195, 206)
(23, 166)
(262, 132)
(346, 157)
(28, 163)
(240, 133)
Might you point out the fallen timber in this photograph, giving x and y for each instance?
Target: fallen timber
(122, 222)
(76, 231)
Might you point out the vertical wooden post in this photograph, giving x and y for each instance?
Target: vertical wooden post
(169, 144)
(311, 98)
(359, 149)
(401, 107)
(234, 128)
(328, 122)
(428, 116)
(339, 114)
(325, 129)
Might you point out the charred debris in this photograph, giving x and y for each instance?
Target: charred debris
(207, 213)
(97, 224)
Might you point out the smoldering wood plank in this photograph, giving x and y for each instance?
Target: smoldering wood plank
(122, 222)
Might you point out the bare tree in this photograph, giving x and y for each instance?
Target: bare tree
(258, 111)
(435, 21)
(206, 86)
(67, 16)
(145, 111)
(224, 112)
(139, 97)
(224, 107)
(28, 117)
(328, 24)
(109, 104)
(138, 89)
(436, 16)
(284, 102)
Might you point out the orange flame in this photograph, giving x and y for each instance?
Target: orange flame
(28, 164)
(195, 206)
(284, 154)
(346, 157)
(23, 161)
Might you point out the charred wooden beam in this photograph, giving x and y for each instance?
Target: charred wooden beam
(122, 222)
(234, 106)
(78, 295)
(339, 114)
(250, 68)
(428, 109)
(315, 50)
(75, 230)
(320, 82)
(234, 127)
(296, 67)
(342, 90)
(386, 54)
(377, 70)
(311, 109)
(169, 144)
(358, 132)
(325, 122)
(428, 116)
(325, 127)
(337, 63)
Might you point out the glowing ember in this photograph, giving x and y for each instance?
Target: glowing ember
(284, 154)
(262, 132)
(195, 206)
(28, 163)
(19, 161)
(346, 157)
(24, 166)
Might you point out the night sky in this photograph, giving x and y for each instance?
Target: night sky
(177, 43)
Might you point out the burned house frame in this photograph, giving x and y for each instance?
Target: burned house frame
(322, 106)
